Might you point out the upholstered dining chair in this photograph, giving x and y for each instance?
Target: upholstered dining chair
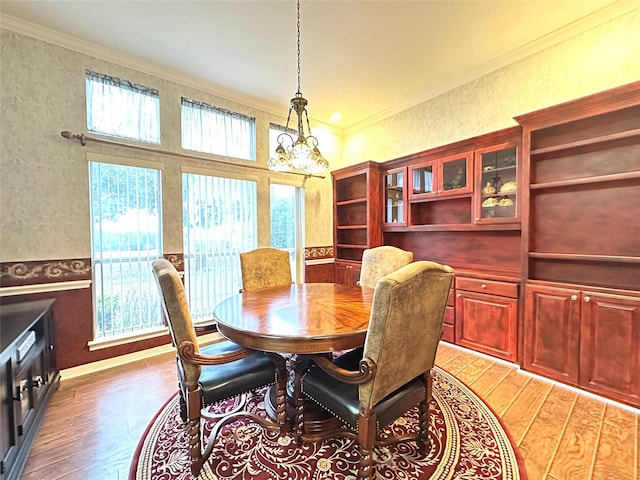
(380, 261)
(216, 372)
(369, 389)
(265, 267)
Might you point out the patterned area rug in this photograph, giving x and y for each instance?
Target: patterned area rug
(467, 443)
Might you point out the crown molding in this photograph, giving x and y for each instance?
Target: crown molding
(136, 63)
(599, 17)
(588, 22)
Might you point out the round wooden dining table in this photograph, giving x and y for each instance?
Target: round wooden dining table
(296, 321)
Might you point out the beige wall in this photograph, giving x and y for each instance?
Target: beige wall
(44, 203)
(603, 57)
(44, 208)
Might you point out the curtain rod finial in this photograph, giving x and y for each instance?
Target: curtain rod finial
(71, 135)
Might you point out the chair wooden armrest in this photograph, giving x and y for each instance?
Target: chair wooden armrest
(367, 369)
(206, 328)
(187, 352)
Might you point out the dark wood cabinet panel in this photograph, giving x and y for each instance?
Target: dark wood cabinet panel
(552, 332)
(487, 323)
(319, 272)
(609, 339)
(28, 377)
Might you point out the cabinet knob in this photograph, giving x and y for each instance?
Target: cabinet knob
(587, 299)
(574, 297)
(458, 295)
(483, 286)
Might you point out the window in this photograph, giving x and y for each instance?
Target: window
(123, 109)
(220, 222)
(287, 213)
(126, 235)
(214, 130)
(287, 225)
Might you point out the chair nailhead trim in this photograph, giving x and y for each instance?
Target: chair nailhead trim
(344, 422)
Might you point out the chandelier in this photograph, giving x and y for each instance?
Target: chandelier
(303, 153)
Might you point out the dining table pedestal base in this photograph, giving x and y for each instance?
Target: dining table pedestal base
(316, 419)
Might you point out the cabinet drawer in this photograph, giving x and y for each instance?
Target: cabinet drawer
(448, 333)
(492, 287)
(451, 299)
(449, 315)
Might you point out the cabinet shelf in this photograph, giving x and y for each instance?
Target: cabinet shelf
(351, 201)
(629, 134)
(585, 258)
(462, 227)
(486, 171)
(350, 227)
(437, 199)
(615, 177)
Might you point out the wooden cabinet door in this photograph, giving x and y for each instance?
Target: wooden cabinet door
(8, 433)
(552, 332)
(487, 323)
(347, 273)
(610, 345)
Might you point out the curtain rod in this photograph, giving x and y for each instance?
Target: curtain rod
(83, 139)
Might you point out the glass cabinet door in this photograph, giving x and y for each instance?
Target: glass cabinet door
(395, 196)
(497, 188)
(442, 176)
(423, 179)
(456, 174)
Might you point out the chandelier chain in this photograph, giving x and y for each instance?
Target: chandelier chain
(298, 53)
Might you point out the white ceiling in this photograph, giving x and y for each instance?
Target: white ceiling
(363, 58)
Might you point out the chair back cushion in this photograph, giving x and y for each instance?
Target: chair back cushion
(405, 326)
(380, 261)
(176, 311)
(265, 267)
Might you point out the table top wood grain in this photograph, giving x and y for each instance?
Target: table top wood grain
(301, 318)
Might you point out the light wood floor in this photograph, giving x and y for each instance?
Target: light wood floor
(94, 422)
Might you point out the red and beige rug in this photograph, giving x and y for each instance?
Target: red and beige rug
(467, 443)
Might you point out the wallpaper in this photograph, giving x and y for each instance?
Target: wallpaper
(44, 182)
(603, 57)
(44, 204)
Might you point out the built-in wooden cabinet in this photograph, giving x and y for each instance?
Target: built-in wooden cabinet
(585, 338)
(356, 216)
(544, 215)
(581, 242)
(28, 378)
(440, 190)
(487, 316)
